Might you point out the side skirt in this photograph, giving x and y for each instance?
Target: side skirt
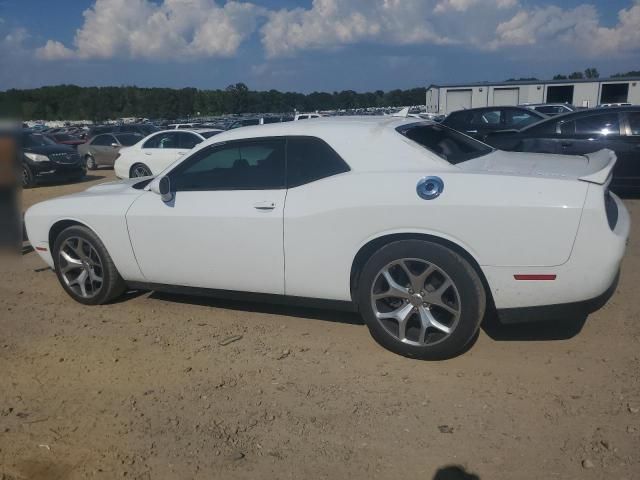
(246, 296)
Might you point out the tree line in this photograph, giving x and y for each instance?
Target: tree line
(71, 102)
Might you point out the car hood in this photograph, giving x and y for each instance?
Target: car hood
(115, 188)
(594, 167)
(50, 149)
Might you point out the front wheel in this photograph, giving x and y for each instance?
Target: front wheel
(421, 299)
(28, 179)
(91, 163)
(84, 268)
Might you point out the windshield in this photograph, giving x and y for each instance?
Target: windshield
(445, 142)
(128, 139)
(36, 140)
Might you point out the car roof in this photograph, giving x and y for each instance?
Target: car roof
(587, 112)
(366, 143)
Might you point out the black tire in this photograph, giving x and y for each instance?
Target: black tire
(112, 284)
(28, 180)
(139, 170)
(467, 282)
(90, 162)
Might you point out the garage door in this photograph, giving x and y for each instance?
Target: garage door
(458, 100)
(506, 96)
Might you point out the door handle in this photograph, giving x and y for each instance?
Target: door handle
(472, 131)
(147, 153)
(181, 153)
(264, 206)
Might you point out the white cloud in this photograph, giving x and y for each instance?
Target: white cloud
(578, 29)
(464, 5)
(171, 29)
(186, 29)
(476, 24)
(331, 23)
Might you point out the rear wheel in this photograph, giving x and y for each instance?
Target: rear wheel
(421, 300)
(139, 170)
(84, 268)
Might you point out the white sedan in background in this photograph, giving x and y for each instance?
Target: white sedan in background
(416, 226)
(156, 152)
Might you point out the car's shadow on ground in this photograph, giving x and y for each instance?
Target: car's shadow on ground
(326, 315)
(543, 330)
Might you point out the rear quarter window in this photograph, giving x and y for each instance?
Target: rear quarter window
(445, 142)
(310, 159)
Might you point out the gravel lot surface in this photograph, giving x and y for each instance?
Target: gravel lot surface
(172, 387)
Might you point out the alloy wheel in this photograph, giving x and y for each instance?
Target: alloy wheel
(141, 171)
(80, 267)
(416, 302)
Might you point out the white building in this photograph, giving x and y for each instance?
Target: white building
(444, 99)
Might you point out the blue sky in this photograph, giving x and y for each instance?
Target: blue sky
(310, 45)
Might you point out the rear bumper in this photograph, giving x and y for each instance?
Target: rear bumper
(581, 282)
(565, 311)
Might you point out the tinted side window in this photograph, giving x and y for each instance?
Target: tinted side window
(544, 128)
(244, 165)
(162, 140)
(188, 140)
(605, 124)
(458, 118)
(488, 117)
(520, 118)
(634, 123)
(310, 159)
(102, 140)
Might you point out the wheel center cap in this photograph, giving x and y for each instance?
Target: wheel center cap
(416, 300)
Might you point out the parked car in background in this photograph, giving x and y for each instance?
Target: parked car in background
(102, 150)
(609, 105)
(583, 132)
(480, 122)
(183, 126)
(157, 151)
(43, 159)
(306, 116)
(143, 129)
(295, 211)
(248, 122)
(551, 109)
(66, 139)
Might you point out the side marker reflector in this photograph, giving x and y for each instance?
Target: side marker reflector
(41, 249)
(535, 277)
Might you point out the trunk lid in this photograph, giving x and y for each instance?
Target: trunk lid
(593, 168)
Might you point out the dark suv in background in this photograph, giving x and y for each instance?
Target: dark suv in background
(43, 159)
(480, 122)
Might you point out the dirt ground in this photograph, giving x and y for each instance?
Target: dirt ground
(144, 389)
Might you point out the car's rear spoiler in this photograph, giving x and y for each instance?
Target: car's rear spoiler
(601, 165)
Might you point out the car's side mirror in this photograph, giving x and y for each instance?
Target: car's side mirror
(164, 186)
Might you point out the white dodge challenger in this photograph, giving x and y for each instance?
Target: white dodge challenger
(418, 227)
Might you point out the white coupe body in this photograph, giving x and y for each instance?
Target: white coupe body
(154, 153)
(541, 229)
